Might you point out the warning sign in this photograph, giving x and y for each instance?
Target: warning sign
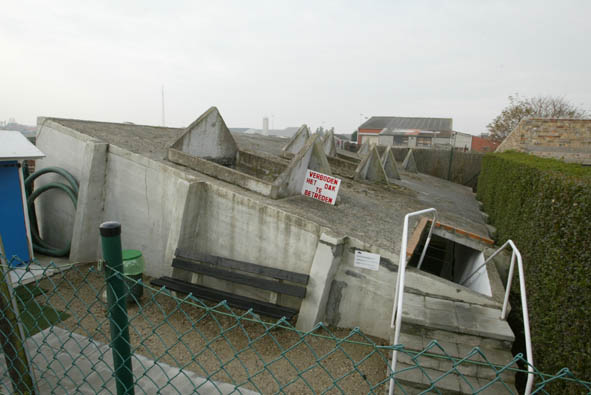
(321, 187)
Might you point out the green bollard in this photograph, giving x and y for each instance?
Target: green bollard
(117, 304)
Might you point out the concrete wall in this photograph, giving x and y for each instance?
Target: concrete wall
(473, 259)
(148, 198)
(566, 139)
(465, 165)
(85, 158)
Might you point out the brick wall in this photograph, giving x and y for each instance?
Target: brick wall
(480, 144)
(566, 139)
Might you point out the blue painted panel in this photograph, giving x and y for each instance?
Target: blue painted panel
(12, 215)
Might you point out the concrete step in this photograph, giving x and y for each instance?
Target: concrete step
(430, 352)
(426, 381)
(456, 317)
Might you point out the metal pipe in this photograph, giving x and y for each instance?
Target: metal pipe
(117, 305)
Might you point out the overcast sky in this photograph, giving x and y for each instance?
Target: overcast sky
(319, 62)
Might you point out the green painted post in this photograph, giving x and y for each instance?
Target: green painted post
(117, 304)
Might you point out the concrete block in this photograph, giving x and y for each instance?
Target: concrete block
(324, 266)
(363, 150)
(329, 145)
(297, 142)
(389, 164)
(371, 169)
(409, 164)
(208, 138)
(89, 211)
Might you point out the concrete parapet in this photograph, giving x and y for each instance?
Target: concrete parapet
(389, 164)
(371, 169)
(208, 138)
(327, 258)
(409, 164)
(296, 142)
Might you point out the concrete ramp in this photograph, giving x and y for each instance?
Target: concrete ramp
(389, 164)
(329, 145)
(363, 150)
(208, 138)
(409, 164)
(371, 169)
(311, 156)
(296, 143)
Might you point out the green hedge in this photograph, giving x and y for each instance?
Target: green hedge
(544, 206)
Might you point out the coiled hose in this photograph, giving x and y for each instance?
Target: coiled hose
(71, 190)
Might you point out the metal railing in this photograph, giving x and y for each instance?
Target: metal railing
(398, 295)
(528, 346)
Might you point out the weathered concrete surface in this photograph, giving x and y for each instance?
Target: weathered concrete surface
(389, 164)
(208, 138)
(328, 145)
(371, 169)
(296, 142)
(57, 354)
(409, 163)
(341, 167)
(85, 158)
(363, 150)
(324, 266)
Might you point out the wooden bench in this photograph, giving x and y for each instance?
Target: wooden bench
(270, 279)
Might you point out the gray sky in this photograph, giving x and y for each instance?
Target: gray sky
(318, 62)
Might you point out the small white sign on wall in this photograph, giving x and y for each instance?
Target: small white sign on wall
(367, 260)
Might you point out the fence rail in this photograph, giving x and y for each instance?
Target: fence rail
(184, 345)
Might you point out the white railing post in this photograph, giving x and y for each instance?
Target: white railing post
(399, 292)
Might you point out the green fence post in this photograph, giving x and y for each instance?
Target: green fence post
(117, 305)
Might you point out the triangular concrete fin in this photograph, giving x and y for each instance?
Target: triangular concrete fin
(311, 156)
(409, 164)
(363, 150)
(329, 145)
(371, 168)
(208, 138)
(296, 142)
(389, 164)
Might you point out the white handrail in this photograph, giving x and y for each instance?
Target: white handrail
(528, 346)
(397, 308)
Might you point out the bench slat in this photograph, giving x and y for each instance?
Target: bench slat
(247, 267)
(239, 278)
(241, 302)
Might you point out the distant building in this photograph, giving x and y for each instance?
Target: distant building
(482, 144)
(424, 139)
(370, 129)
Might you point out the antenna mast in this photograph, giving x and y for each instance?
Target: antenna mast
(163, 119)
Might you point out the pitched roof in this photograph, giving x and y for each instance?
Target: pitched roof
(434, 124)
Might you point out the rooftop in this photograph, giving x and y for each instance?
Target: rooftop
(373, 213)
(433, 124)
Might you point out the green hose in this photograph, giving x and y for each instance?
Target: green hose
(71, 190)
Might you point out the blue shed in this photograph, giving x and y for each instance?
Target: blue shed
(14, 219)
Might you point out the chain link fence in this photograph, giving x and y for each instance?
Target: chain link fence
(59, 336)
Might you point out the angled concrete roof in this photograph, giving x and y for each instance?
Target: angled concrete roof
(420, 123)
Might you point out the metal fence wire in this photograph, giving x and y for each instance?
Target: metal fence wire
(58, 337)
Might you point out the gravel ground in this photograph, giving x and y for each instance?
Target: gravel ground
(248, 353)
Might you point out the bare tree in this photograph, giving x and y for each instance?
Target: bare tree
(534, 107)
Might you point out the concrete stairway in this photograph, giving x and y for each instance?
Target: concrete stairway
(458, 328)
